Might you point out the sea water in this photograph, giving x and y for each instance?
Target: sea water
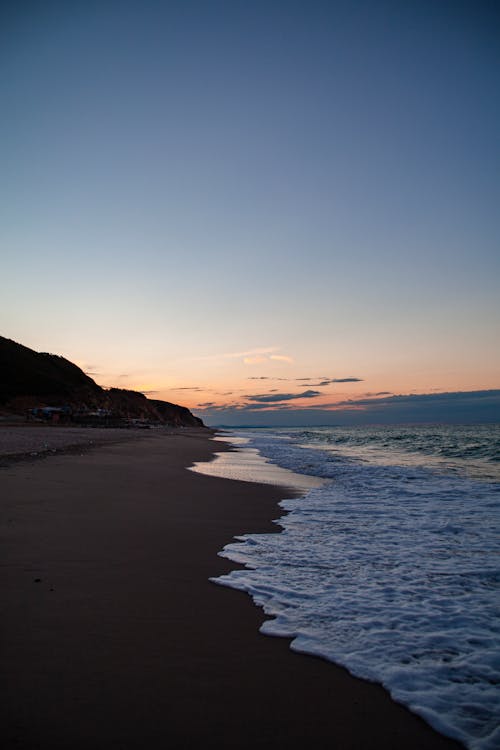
(391, 566)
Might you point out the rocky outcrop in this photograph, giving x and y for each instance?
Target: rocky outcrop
(134, 405)
(30, 379)
(176, 415)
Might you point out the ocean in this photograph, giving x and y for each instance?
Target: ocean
(388, 563)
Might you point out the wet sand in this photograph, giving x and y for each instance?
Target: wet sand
(113, 636)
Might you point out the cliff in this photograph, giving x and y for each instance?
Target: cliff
(30, 380)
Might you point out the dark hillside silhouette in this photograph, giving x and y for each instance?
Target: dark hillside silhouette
(30, 379)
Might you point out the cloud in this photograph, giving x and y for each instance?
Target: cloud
(212, 407)
(264, 407)
(423, 399)
(346, 380)
(277, 397)
(265, 377)
(188, 388)
(256, 359)
(251, 352)
(322, 381)
(457, 407)
(148, 393)
(93, 371)
(235, 355)
(329, 381)
(261, 357)
(256, 356)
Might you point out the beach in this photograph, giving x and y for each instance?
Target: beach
(113, 636)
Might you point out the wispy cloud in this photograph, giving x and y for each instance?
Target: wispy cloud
(346, 380)
(188, 388)
(258, 355)
(329, 381)
(279, 397)
(265, 377)
(265, 407)
(260, 358)
(254, 359)
(214, 407)
(258, 351)
(92, 371)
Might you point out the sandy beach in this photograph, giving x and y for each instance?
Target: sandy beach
(114, 637)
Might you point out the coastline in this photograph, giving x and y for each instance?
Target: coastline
(114, 637)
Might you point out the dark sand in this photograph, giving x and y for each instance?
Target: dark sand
(113, 636)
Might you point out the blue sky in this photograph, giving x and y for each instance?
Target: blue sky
(186, 182)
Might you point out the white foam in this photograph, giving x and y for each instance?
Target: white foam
(247, 464)
(392, 572)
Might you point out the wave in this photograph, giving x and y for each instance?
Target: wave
(390, 570)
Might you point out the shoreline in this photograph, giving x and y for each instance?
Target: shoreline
(114, 637)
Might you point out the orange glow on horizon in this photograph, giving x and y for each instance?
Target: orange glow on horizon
(271, 381)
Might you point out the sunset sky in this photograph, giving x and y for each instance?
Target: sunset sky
(260, 210)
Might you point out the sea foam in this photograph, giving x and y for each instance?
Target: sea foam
(390, 570)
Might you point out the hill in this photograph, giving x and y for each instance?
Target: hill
(53, 386)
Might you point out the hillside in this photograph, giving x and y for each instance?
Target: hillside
(34, 380)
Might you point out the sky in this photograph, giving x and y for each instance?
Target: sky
(270, 212)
